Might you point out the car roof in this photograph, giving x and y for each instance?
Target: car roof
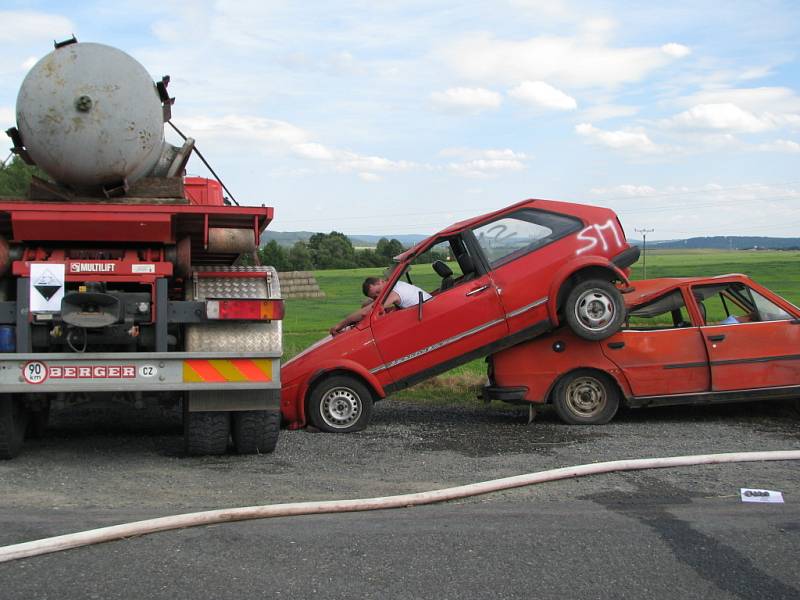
(570, 208)
(646, 290)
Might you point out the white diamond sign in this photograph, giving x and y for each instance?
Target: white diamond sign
(47, 287)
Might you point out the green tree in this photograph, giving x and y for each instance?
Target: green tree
(273, 255)
(389, 249)
(15, 177)
(299, 257)
(331, 251)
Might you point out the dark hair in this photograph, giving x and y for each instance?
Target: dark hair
(368, 283)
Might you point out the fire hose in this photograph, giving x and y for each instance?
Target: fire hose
(210, 517)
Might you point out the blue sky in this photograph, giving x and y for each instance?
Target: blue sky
(401, 117)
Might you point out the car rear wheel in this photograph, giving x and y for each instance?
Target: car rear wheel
(586, 397)
(595, 309)
(340, 404)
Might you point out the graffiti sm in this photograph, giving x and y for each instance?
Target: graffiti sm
(597, 234)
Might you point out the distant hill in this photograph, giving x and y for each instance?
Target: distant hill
(721, 242)
(724, 242)
(289, 238)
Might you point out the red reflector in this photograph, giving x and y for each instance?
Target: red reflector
(246, 310)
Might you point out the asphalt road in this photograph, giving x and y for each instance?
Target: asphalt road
(672, 533)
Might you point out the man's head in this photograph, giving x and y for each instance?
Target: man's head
(373, 286)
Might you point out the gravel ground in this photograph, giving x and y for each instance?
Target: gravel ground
(126, 459)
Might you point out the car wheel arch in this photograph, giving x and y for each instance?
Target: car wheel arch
(621, 388)
(320, 376)
(563, 287)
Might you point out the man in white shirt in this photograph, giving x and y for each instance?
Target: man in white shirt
(403, 295)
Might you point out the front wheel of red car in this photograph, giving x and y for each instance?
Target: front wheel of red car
(594, 309)
(586, 397)
(340, 404)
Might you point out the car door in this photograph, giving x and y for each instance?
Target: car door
(752, 343)
(523, 250)
(453, 326)
(659, 351)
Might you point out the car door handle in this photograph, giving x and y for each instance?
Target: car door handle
(477, 290)
(616, 345)
(716, 338)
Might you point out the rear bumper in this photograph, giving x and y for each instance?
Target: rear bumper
(514, 395)
(138, 372)
(626, 258)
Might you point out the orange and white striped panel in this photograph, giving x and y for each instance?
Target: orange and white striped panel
(239, 370)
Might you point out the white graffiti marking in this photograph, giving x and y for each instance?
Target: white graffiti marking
(594, 234)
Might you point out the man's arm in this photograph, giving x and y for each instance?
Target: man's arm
(351, 319)
(392, 301)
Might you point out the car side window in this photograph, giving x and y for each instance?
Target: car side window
(667, 312)
(726, 303)
(444, 265)
(519, 233)
(768, 310)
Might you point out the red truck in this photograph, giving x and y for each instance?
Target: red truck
(121, 280)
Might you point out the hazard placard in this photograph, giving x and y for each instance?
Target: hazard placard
(47, 287)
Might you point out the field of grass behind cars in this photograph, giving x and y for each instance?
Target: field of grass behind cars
(308, 320)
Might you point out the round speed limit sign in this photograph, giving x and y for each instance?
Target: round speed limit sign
(34, 371)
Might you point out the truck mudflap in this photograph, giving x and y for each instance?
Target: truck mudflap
(138, 372)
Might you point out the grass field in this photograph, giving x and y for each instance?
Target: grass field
(308, 320)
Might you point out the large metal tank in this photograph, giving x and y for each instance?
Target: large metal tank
(90, 115)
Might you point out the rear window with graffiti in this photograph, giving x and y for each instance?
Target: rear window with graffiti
(522, 232)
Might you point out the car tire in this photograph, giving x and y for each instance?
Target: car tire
(13, 422)
(340, 404)
(206, 433)
(586, 397)
(594, 309)
(255, 431)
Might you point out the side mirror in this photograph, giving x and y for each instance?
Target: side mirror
(419, 307)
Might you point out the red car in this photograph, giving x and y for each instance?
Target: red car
(519, 272)
(685, 341)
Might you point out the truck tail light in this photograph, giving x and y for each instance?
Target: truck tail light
(261, 310)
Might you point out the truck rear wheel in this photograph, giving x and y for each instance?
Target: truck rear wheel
(206, 432)
(255, 431)
(13, 421)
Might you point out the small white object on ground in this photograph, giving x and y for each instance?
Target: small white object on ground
(754, 495)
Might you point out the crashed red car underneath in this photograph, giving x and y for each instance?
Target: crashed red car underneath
(519, 272)
(685, 341)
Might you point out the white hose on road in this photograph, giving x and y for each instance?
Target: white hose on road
(115, 532)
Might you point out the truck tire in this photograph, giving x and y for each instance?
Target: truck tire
(206, 432)
(255, 431)
(13, 421)
(594, 309)
(586, 397)
(38, 421)
(340, 404)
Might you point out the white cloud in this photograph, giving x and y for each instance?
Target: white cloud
(780, 146)
(543, 95)
(370, 177)
(676, 50)
(722, 117)
(580, 61)
(625, 190)
(467, 99)
(760, 99)
(485, 162)
(22, 26)
(284, 138)
(634, 141)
